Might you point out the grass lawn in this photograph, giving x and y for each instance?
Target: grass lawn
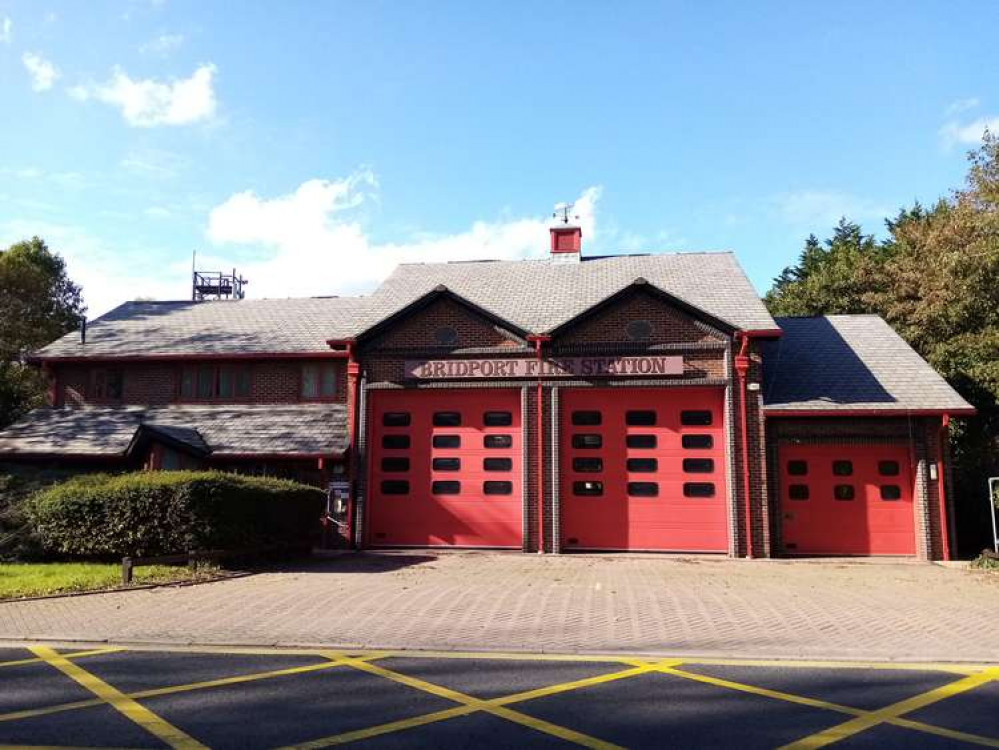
(39, 579)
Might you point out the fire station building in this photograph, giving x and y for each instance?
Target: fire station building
(571, 403)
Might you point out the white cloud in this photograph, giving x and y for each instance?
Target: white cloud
(43, 73)
(147, 102)
(109, 273)
(6, 30)
(820, 209)
(955, 133)
(154, 163)
(961, 105)
(157, 212)
(312, 243)
(162, 44)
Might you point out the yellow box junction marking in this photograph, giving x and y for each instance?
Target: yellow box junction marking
(128, 707)
(894, 711)
(184, 688)
(470, 704)
(74, 655)
(974, 675)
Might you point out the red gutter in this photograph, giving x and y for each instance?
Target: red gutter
(540, 436)
(272, 456)
(941, 487)
(741, 369)
(192, 356)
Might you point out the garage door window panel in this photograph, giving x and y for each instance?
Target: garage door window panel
(587, 418)
(588, 465)
(447, 441)
(394, 465)
(497, 464)
(588, 489)
(396, 419)
(447, 419)
(395, 487)
(497, 419)
(698, 489)
(844, 492)
(697, 442)
(643, 489)
(445, 488)
(888, 468)
(842, 468)
(797, 468)
(696, 418)
(497, 488)
(588, 441)
(890, 492)
(798, 492)
(497, 441)
(395, 442)
(446, 464)
(698, 465)
(641, 442)
(642, 418)
(643, 465)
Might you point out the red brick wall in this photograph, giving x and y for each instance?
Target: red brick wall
(609, 326)
(157, 383)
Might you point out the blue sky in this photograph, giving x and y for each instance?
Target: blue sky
(315, 144)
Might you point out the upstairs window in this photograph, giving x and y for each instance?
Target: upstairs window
(215, 383)
(107, 384)
(319, 381)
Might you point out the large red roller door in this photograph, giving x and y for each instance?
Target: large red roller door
(847, 500)
(446, 468)
(643, 469)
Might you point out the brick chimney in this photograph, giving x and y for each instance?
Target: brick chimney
(567, 243)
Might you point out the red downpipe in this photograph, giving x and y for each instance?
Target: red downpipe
(540, 433)
(353, 386)
(741, 370)
(941, 487)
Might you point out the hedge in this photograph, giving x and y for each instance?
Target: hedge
(169, 512)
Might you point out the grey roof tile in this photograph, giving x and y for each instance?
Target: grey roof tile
(850, 362)
(536, 295)
(230, 327)
(221, 429)
(539, 295)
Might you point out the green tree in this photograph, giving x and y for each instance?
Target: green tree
(935, 279)
(830, 277)
(38, 304)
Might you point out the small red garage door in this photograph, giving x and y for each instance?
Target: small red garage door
(643, 469)
(446, 469)
(846, 500)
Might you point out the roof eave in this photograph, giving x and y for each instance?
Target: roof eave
(770, 412)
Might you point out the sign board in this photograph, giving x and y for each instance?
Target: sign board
(569, 367)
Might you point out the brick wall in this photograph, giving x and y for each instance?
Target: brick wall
(157, 383)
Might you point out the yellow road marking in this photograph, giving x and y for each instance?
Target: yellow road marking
(184, 688)
(74, 655)
(816, 703)
(469, 704)
(894, 711)
(128, 707)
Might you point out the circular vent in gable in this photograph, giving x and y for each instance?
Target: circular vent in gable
(639, 330)
(446, 336)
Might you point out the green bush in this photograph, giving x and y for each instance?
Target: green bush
(168, 512)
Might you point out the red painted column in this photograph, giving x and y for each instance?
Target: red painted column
(539, 427)
(353, 392)
(941, 486)
(741, 370)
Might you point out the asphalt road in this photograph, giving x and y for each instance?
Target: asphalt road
(99, 697)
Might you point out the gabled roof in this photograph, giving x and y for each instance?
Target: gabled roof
(231, 429)
(539, 295)
(437, 293)
(264, 326)
(844, 363)
(534, 296)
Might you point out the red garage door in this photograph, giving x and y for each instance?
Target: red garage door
(846, 500)
(643, 469)
(446, 469)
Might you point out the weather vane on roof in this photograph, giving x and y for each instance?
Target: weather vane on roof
(563, 211)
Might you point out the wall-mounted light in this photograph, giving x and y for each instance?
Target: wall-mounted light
(933, 472)
(752, 386)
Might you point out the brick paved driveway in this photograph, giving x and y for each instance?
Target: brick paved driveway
(574, 603)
